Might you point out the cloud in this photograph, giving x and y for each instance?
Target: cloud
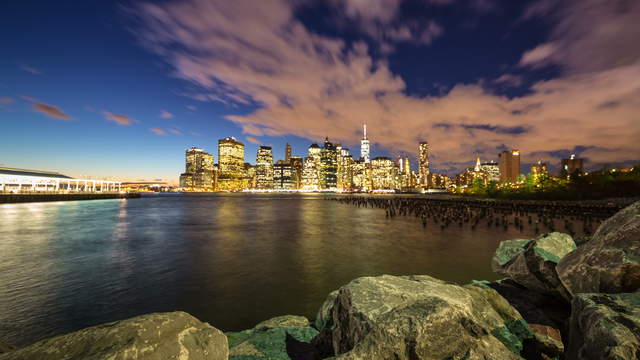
(6, 100)
(509, 80)
(30, 69)
(51, 111)
(165, 114)
(538, 55)
(29, 99)
(158, 131)
(309, 85)
(175, 131)
(194, 133)
(122, 120)
(191, 107)
(253, 140)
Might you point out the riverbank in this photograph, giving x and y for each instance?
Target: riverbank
(557, 300)
(22, 198)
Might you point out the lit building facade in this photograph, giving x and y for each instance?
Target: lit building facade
(539, 171)
(423, 167)
(231, 168)
(328, 166)
(199, 172)
(509, 163)
(364, 147)
(264, 168)
(311, 169)
(287, 153)
(297, 167)
(405, 176)
(283, 175)
(345, 169)
(383, 173)
(361, 175)
(492, 169)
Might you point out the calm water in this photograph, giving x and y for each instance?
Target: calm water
(231, 260)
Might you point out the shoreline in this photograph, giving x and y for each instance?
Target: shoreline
(24, 198)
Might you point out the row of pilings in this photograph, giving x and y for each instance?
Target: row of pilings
(542, 216)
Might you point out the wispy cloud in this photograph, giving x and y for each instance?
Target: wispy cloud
(165, 114)
(310, 85)
(30, 69)
(253, 140)
(175, 131)
(192, 107)
(509, 80)
(122, 120)
(51, 111)
(6, 100)
(158, 131)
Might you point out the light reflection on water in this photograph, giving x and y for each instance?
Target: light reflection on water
(231, 260)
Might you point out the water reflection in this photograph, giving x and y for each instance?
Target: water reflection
(230, 259)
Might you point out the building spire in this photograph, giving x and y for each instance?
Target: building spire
(365, 131)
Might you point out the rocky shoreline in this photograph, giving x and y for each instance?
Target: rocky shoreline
(558, 300)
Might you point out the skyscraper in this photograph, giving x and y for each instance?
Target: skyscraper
(492, 169)
(364, 147)
(328, 165)
(231, 168)
(296, 171)
(287, 153)
(539, 170)
(509, 162)
(383, 173)
(423, 168)
(198, 170)
(264, 168)
(282, 175)
(311, 169)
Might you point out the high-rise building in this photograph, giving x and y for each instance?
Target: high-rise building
(539, 171)
(404, 174)
(282, 175)
(361, 175)
(364, 147)
(328, 165)
(509, 162)
(296, 171)
(264, 168)
(311, 168)
(492, 170)
(423, 168)
(345, 169)
(287, 153)
(231, 168)
(199, 171)
(571, 166)
(383, 173)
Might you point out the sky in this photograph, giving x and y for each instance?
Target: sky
(119, 89)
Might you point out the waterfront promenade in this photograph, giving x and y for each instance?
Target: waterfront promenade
(40, 197)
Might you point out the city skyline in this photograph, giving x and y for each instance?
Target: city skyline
(125, 98)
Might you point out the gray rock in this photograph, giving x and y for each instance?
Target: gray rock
(323, 319)
(605, 327)
(159, 336)
(419, 317)
(610, 261)
(270, 339)
(4, 347)
(532, 263)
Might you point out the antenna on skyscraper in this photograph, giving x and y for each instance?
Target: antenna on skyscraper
(365, 131)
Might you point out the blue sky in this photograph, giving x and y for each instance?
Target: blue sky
(119, 89)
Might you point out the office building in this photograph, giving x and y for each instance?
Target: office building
(364, 147)
(287, 153)
(539, 171)
(328, 166)
(231, 168)
(571, 166)
(282, 175)
(423, 164)
(509, 163)
(264, 168)
(198, 170)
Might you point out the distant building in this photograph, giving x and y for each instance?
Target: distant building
(311, 168)
(282, 175)
(25, 181)
(361, 175)
(571, 166)
(364, 147)
(287, 153)
(492, 169)
(328, 166)
(345, 169)
(404, 173)
(539, 171)
(509, 162)
(198, 170)
(231, 168)
(264, 168)
(423, 165)
(383, 174)
(297, 167)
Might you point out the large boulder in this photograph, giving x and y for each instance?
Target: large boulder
(610, 261)
(272, 339)
(323, 318)
(4, 347)
(159, 336)
(532, 263)
(605, 327)
(419, 317)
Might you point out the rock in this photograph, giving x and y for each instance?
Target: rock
(610, 261)
(271, 339)
(605, 327)
(419, 317)
(535, 308)
(532, 263)
(175, 335)
(4, 347)
(323, 319)
(547, 343)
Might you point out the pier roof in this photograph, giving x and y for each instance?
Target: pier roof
(26, 172)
